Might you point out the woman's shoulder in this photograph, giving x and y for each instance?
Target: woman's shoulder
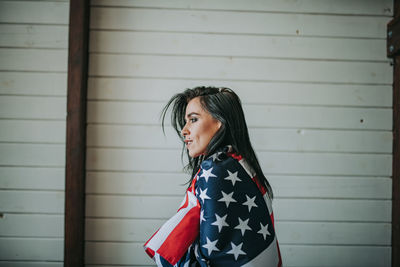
(221, 160)
(221, 168)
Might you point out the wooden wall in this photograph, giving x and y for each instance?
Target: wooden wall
(317, 91)
(33, 66)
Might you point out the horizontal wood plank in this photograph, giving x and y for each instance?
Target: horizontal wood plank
(27, 83)
(277, 116)
(35, 249)
(340, 7)
(131, 183)
(39, 155)
(320, 256)
(250, 92)
(151, 136)
(31, 264)
(34, 36)
(32, 178)
(256, 22)
(162, 207)
(136, 183)
(310, 233)
(236, 45)
(33, 107)
(32, 225)
(33, 60)
(294, 256)
(36, 12)
(331, 187)
(32, 202)
(233, 68)
(32, 131)
(272, 162)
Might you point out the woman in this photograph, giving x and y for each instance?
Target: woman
(226, 217)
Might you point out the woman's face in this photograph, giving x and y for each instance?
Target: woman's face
(199, 129)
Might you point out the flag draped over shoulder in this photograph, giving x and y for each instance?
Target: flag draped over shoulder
(226, 219)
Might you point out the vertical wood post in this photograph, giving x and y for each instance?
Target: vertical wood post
(393, 50)
(76, 133)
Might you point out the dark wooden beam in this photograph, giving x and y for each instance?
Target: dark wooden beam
(393, 50)
(396, 166)
(393, 39)
(76, 134)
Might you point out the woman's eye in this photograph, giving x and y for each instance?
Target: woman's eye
(193, 120)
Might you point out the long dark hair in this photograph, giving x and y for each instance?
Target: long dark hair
(224, 105)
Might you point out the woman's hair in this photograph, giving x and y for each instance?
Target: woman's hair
(225, 106)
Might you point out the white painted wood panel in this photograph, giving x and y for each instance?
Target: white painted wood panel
(32, 178)
(316, 87)
(297, 255)
(272, 162)
(331, 187)
(317, 233)
(232, 22)
(33, 60)
(32, 202)
(36, 249)
(319, 256)
(279, 116)
(39, 155)
(33, 107)
(364, 7)
(28, 83)
(293, 209)
(136, 183)
(36, 131)
(311, 140)
(40, 12)
(142, 183)
(250, 92)
(234, 68)
(34, 36)
(202, 44)
(33, 80)
(31, 264)
(32, 225)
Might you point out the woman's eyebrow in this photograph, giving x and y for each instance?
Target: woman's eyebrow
(191, 114)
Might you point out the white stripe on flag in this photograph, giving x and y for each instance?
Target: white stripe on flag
(268, 258)
(158, 239)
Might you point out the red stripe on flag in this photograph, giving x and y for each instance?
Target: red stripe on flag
(235, 156)
(279, 254)
(151, 238)
(150, 252)
(186, 203)
(183, 235)
(262, 188)
(272, 219)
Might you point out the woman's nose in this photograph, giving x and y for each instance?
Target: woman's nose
(184, 131)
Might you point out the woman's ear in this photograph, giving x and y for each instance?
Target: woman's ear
(219, 124)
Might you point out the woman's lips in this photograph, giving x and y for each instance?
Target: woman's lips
(188, 142)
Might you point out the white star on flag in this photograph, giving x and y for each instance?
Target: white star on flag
(215, 156)
(202, 216)
(196, 252)
(227, 198)
(207, 174)
(236, 250)
(211, 246)
(264, 231)
(203, 195)
(250, 202)
(232, 177)
(220, 222)
(243, 226)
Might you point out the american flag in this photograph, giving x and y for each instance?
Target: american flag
(225, 219)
